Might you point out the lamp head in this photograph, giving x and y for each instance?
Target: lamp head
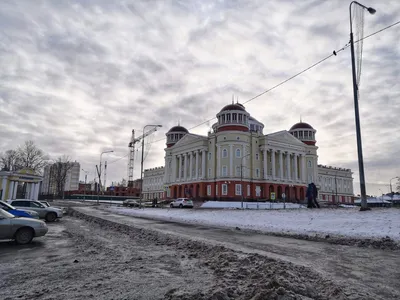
(371, 10)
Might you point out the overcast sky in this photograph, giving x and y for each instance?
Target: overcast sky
(77, 76)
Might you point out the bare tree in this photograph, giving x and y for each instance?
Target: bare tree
(32, 157)
(10, 161)
(398, 185)
(59, 171)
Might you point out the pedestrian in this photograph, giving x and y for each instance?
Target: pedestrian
(315, 195)
(309, 195)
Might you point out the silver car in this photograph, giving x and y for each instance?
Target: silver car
(50, 214)
(22, 230)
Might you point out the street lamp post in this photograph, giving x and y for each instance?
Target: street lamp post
(98, 192)
(84, 191)
(364, 204)
(241, 175)
(141, 163)
(391, 190)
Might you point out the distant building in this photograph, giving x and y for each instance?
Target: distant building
(71, 179)
(335, 184)
(153, 183)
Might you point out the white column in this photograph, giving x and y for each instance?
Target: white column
(36, 194)
(273, 163)
(243, 162)
(10, 190)
(3, 186)
(219, 161)
(173, 179)
(166, 169)
(15, 190)
(281, 164)
(265, 164)
(304, 168)
(185, 167)
(296, 172)
(197, 164)
(191, 165)
(288, 166)
(180, 167)
(231, 160)
(203, 162)
(32, 193)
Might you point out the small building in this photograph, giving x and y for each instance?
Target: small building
(153, 183)
(23, 184)
(335, 184)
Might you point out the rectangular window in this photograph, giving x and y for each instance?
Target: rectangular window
(257, 156)
(209, 155)
(208, 190)
(209, 172)
(238, 189)
(224, 189)
(248, 190)
(237, 171)
(224, 153)
(224, 171)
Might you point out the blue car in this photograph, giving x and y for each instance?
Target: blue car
(17, 212)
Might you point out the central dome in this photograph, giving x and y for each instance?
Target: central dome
(233, 106)
(178, 129)
(301, 125)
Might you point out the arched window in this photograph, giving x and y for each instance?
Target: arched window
(238, 153)
(224, 153)
(309, 164)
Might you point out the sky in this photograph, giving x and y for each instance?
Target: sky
(77, 76)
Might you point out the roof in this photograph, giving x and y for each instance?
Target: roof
(233, 106)
(301, 125)
(178, 129)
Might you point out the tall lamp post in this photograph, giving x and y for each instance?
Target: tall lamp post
(364, 204)
(391, 190)
(98, 192)
(141, 163)
(84, 191)
(241, 175)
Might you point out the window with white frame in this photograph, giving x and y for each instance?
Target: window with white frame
(257, 173)
(209, 155)
(208, 190)
(238, 153)
(238, 189)
(224, 171)
(224, 153)
(248, 190)
(224, 189)
(209, 172)
(237, 171)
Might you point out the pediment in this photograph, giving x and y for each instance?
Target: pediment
(190, 138)
(285, 137)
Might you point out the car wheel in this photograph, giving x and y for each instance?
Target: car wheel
(24, 236)
(171, 205)
(180, 206)
(51, 217)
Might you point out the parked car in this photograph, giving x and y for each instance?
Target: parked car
(181, 203)
(19, 212)
(131, 203)
(20, 229)
(47, 204)
(50, 214)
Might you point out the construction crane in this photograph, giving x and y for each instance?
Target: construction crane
(131, 145)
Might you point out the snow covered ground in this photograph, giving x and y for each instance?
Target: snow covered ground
(349, 222)
(250, 205)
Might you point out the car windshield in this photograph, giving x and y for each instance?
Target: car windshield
(5, 214)
(37, 204)
(6, 205)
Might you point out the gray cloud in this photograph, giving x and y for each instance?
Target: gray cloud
(77, 76)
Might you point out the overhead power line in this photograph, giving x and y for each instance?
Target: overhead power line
(297, 74)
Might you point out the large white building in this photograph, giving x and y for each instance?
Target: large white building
(236, 159)
(153, 183)
(71, 179)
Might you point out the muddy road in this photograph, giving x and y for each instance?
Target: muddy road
(84, 257)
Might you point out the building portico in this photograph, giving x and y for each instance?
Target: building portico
(26, 179)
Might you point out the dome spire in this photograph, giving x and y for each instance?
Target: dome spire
(301, 120)
(233, 98)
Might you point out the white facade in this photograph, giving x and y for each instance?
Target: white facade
(336, 184)
(153, 183)
(72, 179)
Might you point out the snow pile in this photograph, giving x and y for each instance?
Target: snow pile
(251, 205)
(350, 222)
